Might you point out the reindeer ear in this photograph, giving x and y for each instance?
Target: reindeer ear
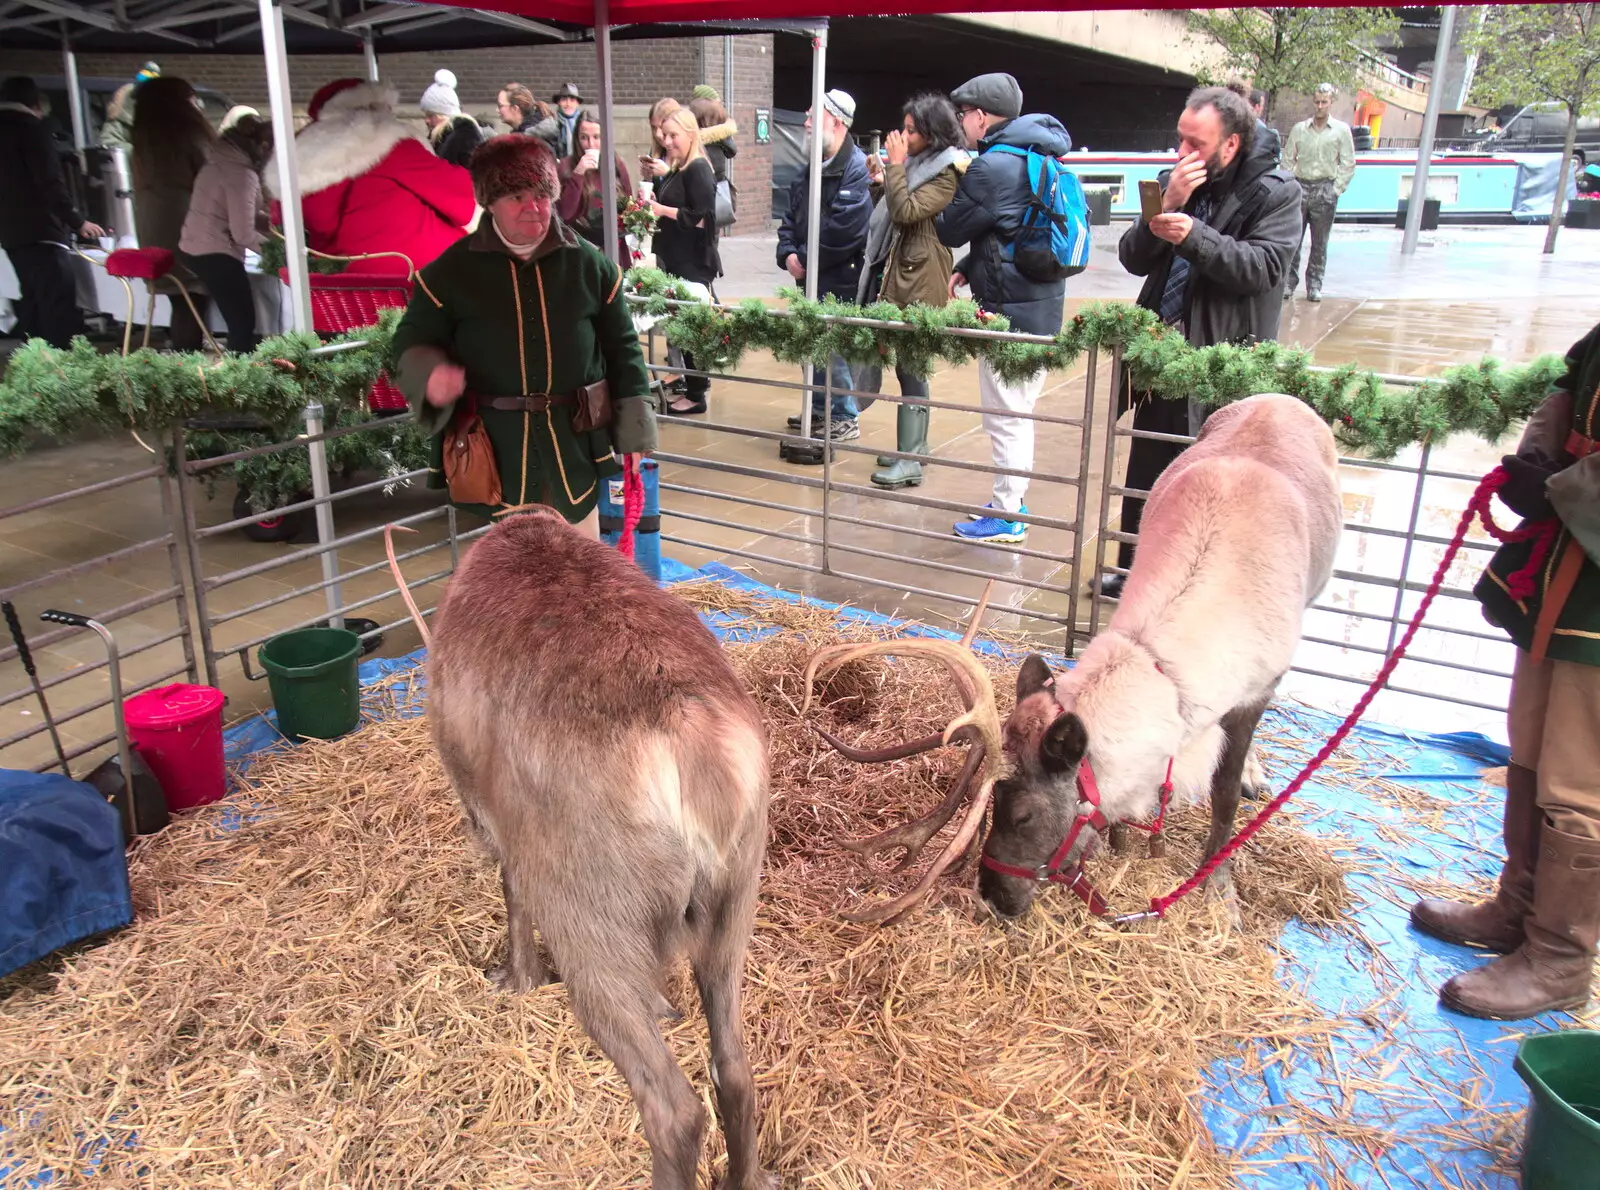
(1033, 677)
(1065, 741)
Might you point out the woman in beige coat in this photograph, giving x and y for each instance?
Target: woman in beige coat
(905, 262)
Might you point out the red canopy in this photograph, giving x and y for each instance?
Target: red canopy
(635, 12)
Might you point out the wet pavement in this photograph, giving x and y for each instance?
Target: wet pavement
(1468, 292)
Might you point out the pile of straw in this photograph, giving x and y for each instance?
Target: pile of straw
(301, 1000)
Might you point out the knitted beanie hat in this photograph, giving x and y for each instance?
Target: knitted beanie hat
(704, 91)
(842, 105)
(510, 164)
(440, 98)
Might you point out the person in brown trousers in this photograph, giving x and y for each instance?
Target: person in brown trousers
(905, 262)
(1544, 918)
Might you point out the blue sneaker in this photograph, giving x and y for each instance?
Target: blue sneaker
(991, 528)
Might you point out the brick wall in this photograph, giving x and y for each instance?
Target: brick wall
(752, 88)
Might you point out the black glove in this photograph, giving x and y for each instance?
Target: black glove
(1524, 492)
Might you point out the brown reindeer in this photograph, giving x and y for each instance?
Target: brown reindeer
(611, 761)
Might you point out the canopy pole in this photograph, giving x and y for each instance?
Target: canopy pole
(608, 142)
(371, 53)
(1430, 124)
(294, 238)
(819, 71)
(80, 126)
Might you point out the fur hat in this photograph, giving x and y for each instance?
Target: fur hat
(440, 98)
(841, 105)
(509, 164)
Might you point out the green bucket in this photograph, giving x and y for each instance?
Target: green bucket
(1562, 1149)
(312, 672)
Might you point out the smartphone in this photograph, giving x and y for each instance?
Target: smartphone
(1149, 199)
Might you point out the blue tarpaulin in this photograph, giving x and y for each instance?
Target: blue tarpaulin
(63, 872)
(1408, 1091)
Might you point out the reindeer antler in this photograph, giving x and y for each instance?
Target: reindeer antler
(980, 720)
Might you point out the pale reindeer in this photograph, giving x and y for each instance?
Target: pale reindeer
(1238, 538)
(612, 762)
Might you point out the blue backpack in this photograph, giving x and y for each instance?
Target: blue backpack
(1053, 241)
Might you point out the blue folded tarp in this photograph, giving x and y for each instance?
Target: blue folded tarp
(63, 871)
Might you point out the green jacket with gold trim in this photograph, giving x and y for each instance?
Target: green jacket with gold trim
(551, 324)
(1572, 407)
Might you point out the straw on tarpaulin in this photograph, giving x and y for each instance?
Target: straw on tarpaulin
(302, 997)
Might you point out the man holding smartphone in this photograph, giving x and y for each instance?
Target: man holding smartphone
(1213, 258)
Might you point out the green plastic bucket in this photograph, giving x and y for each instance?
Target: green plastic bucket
(1562, 1149)
(312, 672)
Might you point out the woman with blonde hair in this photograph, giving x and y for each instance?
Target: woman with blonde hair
(685, 202)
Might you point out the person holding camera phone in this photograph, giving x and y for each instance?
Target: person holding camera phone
(582, 201)
(1213, 256)
(685, 202)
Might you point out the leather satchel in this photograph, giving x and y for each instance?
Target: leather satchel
(470, 471)
(592, 407)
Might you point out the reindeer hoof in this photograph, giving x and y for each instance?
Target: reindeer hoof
(508, 980)
(1253, 781)
(761, 1179)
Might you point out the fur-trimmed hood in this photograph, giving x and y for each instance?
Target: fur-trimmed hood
(355, 130)
(716, 133)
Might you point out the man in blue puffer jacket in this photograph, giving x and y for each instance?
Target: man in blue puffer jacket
(846, 210)
(986, 214)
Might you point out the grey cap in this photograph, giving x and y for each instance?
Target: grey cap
(998, 94)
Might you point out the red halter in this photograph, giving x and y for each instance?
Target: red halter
(1074, 878)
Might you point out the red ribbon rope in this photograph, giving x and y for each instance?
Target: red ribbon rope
(632, 502)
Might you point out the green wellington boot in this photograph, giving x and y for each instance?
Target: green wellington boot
(911, 436)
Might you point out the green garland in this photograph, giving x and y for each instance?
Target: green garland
(56, 394)
(274, 256)
(1485, 398)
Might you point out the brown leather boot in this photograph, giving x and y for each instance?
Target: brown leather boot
(1552, 967)
(1496, 924)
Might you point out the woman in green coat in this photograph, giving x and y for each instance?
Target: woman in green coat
(905, 263)
(513, 323)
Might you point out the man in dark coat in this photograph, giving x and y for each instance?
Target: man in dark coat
(518, 318)
(1213, 263)
(986, 215)
(37, 218)
(841, 244)
(1545, 914)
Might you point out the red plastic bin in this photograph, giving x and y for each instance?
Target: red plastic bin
(178, 731)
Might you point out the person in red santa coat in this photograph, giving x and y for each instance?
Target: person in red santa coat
(370, 184)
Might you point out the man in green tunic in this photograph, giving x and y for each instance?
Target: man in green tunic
(512, 323)
(1545, 915)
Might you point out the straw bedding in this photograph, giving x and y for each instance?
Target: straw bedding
(301, 1000)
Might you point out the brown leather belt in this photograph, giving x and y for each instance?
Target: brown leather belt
(536, 403)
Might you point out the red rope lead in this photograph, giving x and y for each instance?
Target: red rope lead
(632, 503)
(1477, 507)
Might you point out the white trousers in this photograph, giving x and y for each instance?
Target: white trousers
(1010, 438)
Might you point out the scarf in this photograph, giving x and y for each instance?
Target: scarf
(920, 170)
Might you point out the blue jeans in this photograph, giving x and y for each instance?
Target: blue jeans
(844, 408)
